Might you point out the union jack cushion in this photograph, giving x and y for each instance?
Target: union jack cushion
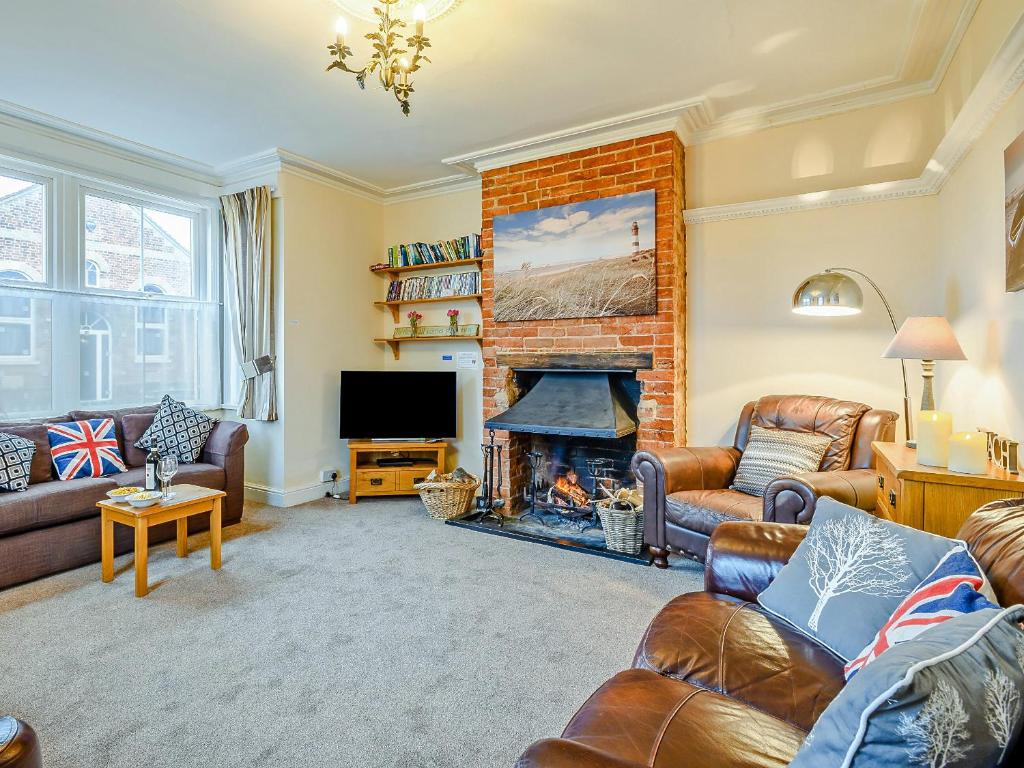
(85, 449)
(956, 586)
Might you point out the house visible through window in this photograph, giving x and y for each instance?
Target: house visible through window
(92, 274)
(151, 329)
(95, 359)
(15, 321)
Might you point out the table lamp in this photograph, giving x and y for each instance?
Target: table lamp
(834, 294)
(926, 339)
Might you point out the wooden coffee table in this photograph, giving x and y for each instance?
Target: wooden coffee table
(188, 500)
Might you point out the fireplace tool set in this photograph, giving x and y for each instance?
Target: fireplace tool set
(491, 502)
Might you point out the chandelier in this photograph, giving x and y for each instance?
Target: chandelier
(394, 56)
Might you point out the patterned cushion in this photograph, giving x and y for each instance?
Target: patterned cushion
(85, 449)
(773, 453)
(850, 574)
(949, 697)
(15, 462)
(953, 588)
(178, 430)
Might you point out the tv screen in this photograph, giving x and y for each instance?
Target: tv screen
(396, 405)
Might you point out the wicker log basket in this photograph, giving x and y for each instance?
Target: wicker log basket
(448, 496)
(622, 518)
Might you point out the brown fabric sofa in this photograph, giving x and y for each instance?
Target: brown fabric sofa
(19, 747)
(717, 682)
(686, 490)
(54, 525)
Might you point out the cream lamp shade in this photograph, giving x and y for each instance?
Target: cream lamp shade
(926, 339)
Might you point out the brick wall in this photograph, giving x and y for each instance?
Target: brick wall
(653, 162)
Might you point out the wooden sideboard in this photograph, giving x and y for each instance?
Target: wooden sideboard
(934, 499)
(367, 478)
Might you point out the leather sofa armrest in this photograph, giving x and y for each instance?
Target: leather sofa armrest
(667, 470)
(19, 747)
(562, 753)
(226, 439)
(792, 499)
(743, 558)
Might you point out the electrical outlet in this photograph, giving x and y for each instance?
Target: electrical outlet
(328, 475)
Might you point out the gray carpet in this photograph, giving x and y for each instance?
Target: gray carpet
(333, 636)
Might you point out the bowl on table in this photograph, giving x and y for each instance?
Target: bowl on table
(122, 494)
(145, 499)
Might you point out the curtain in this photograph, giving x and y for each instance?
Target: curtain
(249, 291)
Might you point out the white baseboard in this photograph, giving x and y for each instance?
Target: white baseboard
(279, 497)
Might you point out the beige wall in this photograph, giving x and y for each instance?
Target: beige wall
(743, 339)
(428, 220)
(988, 389)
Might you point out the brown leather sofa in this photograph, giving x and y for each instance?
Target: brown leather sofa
(54, 525)
(19, 747)
(686, 490)
(719, 683)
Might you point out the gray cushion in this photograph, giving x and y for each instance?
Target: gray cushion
(15, 461)
(134, 426)
(849, 574)
(774, 453)
(42, 462)
(52, 503)
(204, 475)
(950, 697)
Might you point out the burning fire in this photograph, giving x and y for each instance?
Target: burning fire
(567, 491)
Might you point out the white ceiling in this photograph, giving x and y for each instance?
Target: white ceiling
(218, 80)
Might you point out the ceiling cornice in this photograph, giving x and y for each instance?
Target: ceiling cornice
(1001, 80)
(679, 117)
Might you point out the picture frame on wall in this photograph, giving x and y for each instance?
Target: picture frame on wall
(1013, 163)
(589, 259)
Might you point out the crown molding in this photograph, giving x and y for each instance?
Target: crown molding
(678, 117)
(1002, 78)
(106, 144)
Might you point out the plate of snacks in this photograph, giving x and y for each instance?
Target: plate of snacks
(122, 494)
(145, 499)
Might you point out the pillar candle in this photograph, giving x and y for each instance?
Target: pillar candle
(968, 452)
(933, 431)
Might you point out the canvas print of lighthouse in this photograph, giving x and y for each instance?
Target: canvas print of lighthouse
(592, 259)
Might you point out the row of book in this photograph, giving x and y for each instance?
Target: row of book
(435, 287)
(412, 254)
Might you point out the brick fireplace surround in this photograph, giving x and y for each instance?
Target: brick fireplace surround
(652, 162)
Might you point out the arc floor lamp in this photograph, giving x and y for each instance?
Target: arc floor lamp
(833, 293)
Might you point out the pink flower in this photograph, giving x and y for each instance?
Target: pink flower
(453, 313)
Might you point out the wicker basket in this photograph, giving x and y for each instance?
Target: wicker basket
(623, 528)
(446, 497)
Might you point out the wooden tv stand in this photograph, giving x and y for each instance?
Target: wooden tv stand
(366, 478)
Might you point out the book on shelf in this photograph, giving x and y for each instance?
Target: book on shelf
(435, 286)
(416, 254)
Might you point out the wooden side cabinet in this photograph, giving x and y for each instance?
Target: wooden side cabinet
(934, 499)
(368, 478)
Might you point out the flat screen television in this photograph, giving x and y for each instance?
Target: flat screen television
(398, 405)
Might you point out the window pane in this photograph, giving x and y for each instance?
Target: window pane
(109, 371)
(113, 240)
(22, 229)
(167, 255)
(25, 357)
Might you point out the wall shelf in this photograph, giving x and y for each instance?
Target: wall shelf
(394, 272)
(396, 343)
(394, 305)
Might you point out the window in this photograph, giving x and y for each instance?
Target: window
(143, 245)
(151, 329)
(92, 274)
(125, 311)
(23, 217)
(16, 324)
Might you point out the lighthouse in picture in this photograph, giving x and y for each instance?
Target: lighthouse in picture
(636, 238)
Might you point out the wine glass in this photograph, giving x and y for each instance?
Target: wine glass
(166, 469)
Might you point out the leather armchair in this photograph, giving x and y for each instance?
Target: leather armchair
(19, 747)
(686, 490)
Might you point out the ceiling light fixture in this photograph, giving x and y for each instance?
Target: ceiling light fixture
(392, 63)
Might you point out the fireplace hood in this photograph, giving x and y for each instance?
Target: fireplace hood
(585, 404)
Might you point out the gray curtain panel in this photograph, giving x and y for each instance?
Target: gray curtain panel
(250, 291)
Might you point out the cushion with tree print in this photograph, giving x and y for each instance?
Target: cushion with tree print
(849, 574)
(952, 696)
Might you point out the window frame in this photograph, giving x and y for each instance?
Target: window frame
(13, 169)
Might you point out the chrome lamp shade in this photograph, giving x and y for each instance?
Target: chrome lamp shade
(828, 294)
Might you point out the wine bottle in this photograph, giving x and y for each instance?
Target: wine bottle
(152, 476)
